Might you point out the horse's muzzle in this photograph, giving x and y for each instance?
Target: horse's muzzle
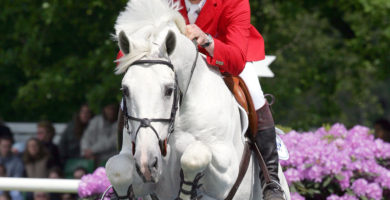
(148, 171)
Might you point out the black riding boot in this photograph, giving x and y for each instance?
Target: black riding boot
(266, 141)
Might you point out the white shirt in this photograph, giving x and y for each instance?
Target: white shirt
(193, 10)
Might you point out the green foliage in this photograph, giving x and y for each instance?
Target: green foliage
(332, 60)
(55, 56)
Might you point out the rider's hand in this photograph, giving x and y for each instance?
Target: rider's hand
(193, 31)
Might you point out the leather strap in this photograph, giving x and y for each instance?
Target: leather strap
(241, 173)
(262, 164)
(121, 123)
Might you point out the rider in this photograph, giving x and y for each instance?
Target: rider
(231, 43)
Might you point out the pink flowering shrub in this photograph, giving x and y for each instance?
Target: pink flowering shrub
(337, 164)
(92, 186)
(327, 164)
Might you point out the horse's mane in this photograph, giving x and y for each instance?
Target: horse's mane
(138, 14)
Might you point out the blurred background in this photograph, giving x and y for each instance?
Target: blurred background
(57, 76)
(332, 59)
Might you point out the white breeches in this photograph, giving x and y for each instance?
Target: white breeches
(251, 80)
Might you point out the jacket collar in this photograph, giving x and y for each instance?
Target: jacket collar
(206, 14)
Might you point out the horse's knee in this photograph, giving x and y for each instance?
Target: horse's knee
(195, 159)
(119, 171)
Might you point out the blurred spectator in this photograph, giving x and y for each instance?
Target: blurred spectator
(12, 163)
(71, 137)
(41, 196)
(18, 148)
(68, 196)
(5, 196)
(382, 129)
(99, 140)
(3, 171)
(5, 132)
(79, 172)
(55, 172)
(45, 133)
(36, 159)
(14, 195)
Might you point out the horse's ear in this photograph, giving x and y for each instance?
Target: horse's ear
(124, 43)
(170, 42)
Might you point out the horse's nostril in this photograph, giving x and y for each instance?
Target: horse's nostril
(155, 163)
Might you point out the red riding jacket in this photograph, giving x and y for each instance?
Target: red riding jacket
(236, 41)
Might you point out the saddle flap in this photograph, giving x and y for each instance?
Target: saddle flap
(241, 93)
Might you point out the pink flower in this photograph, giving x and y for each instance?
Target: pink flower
(93, 184)
(333, 197)
(359, 186)
(297, 196)
(345, 197)
(374, 191)
(345, 182)
(292, 175)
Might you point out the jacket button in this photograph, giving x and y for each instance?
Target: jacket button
(219, 62)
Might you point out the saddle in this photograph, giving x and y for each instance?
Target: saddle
(240, 91)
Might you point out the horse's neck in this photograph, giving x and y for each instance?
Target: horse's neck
(207, 96)
(202, 75)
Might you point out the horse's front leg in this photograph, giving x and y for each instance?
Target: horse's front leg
(122, 174)
(194, 161)
(119, 170)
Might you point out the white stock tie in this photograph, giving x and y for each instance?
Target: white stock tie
(193, 14)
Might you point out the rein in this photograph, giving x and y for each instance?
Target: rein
(192, 68)
(177, 99)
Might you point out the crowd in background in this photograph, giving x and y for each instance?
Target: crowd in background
(86, 143)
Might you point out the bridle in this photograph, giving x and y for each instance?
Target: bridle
(147, 122)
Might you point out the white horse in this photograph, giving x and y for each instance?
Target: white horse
(208, 134)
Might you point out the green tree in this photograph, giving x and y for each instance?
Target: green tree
(56, 55)
(331, 57)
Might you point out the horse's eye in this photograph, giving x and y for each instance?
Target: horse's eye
(168, 91)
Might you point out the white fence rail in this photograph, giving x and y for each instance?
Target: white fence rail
(39, 185)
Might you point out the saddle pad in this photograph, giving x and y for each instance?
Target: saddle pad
(244, 122)
(281, 147)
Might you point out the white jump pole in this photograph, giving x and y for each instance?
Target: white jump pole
(39, 185)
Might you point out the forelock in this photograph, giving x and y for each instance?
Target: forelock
(142, 19)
